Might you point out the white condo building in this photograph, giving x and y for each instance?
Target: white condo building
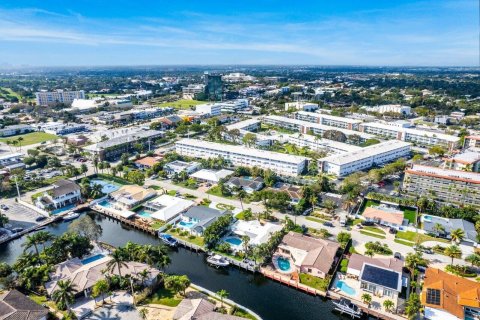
(394, 108)
(301, 105)
(283, 164)
(209, 109)
(44, 98)
(365, 158)
(328, 120)
(420, 137)
(316, 144)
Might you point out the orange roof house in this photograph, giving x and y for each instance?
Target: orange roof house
(384, 215)
(448, 292)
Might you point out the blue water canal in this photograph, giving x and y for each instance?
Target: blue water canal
(269, 299)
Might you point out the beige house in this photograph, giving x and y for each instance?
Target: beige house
(130, 196)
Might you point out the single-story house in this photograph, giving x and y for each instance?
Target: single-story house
(130, 196)
(379, 276)
(212, 176)
(63, 193)
(249, 184)
(166, 208)
(14, 305)
(295, 192)
(178, 166)
(147, 162)
(253, 229)
(449, 297)
(197, 219)
(200, 309)
(442, 227)
(310, 255)
(384, 215)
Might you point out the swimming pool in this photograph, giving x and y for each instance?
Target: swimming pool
(282, 264)
(144, 213)
(187, 225)
(92, 259)
(427, 218)
(234, 241)
(105, 204)
(107, 186)
(66, 208)
(345, 288)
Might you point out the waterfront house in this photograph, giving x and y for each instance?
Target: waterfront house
(381, 277)
(249, 184)
(211, 176)
(384, 215)
(14, 305)
(196, 219)
(63, 193)
(442, 227)
(130, 196)
(167, 208)
(178, 166)
(257, 233)
(200, 309)
(309, 255)
(449, 297)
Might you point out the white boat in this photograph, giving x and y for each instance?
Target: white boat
(71, 216)
(217, 261)
(346, 306)
(168, 239)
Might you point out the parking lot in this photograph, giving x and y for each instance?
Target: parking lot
(19, 215)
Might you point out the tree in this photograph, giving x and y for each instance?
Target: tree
(96, 191)
(177, 283)
(438, 228)
(457, 235)
(3, 220)
(100, 288)
(366, 298)
(95, 164)
(330, 205)
(474, 259)
(85, 226)
(241, 194)
(249, 139)
(413, 260)
(343, 238)
(143, 275)
(453, 252)
(118, 261)
(32, 241)
(369, 253)
(83, 169)
(135, 176)
(44, 237)
(143, 313)
(388, 305)
(413, 306)
(64, 295)
(437, 151)
(223, 294)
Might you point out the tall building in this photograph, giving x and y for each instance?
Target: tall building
(44, 98)
(213, 86)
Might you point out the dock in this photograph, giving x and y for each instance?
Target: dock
(34, 228)
(286, 280)
(128, 222)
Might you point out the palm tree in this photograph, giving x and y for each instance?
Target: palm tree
(3, 220)
(474, 259)
(245, 243)
(96, 190)
(32, 241)
(457, 235)
(223, 294)
(413, 260)
(118, 261)
(64, 295)
(143, 313)
(367, 299)
(241, 195)
(453, 252)
(388, 305)
(143, 275)
(95, 164)
(438, 228)
(100, 288)
(44, 237)
(369, 253)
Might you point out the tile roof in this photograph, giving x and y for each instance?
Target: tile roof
(357, 261)
(62, 187)
(455, 292)
(16, 306)
(390, 216)
(199, 309)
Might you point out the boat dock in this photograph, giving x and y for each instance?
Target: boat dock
(131, 223)
(286, 280)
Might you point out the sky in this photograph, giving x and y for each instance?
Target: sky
(317, 32)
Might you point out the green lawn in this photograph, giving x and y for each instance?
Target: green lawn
(223, 206)
(316, 219)
(375, 235)
(30, 138)
(172, 193)
(314, 282)
(373, 229)
(165, 297)
(243, 314)
(409, 214)
(10, 93)
(404, 242)
(181, 104)
(192, 239)
(412, 236)
(217, 192)
(157, 224)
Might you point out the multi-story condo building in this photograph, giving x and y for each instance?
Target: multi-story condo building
(213, 86)
(283, 164)
(444, 185)
(471, 142)
(115, 147)
(301, 105)
(11, 161)
(15, 129)
(394, 108)
(44, 98)
(365, 158)
(316, 144)
(419, 137)
(469, 160)
(209, 109)
(328, 120)
(58, 128)
(191, 90)
(247, 125)
(315, 128)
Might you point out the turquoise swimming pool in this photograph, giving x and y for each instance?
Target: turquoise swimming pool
(283, 264)
(66, 208)
(144, 213)
(92, 259)
(105, 204)
(107, 186)
(345, 288)
(233, 241)
(187, 225)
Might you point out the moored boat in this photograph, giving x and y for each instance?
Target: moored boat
(168, 239)
(71, 216)
(217, 261)
(346, 306)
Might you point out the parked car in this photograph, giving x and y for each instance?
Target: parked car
(328, 224)
(40, 218)
(359, 226)
(368, 223)
(4, 207)
(17, 230)
(392, 230)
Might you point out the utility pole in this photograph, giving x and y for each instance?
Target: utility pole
(18, 189)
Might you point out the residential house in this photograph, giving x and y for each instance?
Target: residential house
(147, 162)
(63, 193)
(196, 219)
(310, 255)
(442, 227)
(384, 215)
(295, 192)
(249, 184)
(167, 208)
(14, 305)
(211, 176)
(200, 309)
(130, 196)
(256, 232)
(449, 297)
(178, 166)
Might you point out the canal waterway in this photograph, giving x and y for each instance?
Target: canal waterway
(269, 299)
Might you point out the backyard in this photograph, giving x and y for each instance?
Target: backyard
(411, 238)
(163, 296)
(408, 213)
(30, 138)
(314, 282)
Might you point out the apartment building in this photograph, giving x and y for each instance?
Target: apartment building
(44, 98)
(247, 125)
(317, 144)
(301, 105)
(471, 142)
(11, 161)
(283, 164)
(209, 109)
(416, 136)
(191, 90)
(15, 129)
(468, 160)
(365, 158)
(58, 128)
(315, 128)
(393, 108)
(445, 185)
(328, 120)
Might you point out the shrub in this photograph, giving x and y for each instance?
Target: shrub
(378, 248)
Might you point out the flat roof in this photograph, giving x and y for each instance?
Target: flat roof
(10, 155)
(370, 151)
(449, 174)
(242, 124)
(327, 116)
(123, 139)
(242, 150)
(412, 131)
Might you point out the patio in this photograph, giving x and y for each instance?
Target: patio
(88, 308)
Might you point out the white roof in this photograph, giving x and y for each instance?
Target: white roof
(211, 175)
(257, 233)
(370, 151)
(243, 124)
(10, 155)
(446, 173)
(169, 207)
(325, 142)
(327, 116)
(413, 131)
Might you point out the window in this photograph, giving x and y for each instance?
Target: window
(433, 296)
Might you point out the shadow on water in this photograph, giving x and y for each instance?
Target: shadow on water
(269, 299)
